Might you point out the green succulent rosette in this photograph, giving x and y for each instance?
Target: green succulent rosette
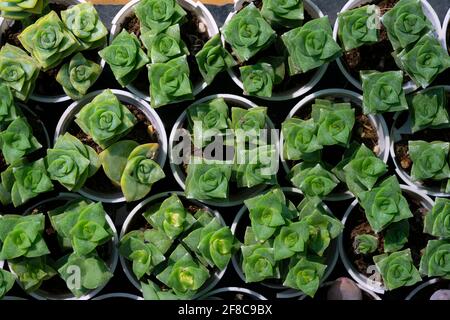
(305, 275)
(435, 261)
(430, 160)
(32, 272)
(114, 159)
(259, 263)
(248, 125)
(7, 280)
(8, 109)
(313, 179)
(158, 15)
(283, 13)
(21, 9)
(437, 221)
(300, 139)
(365, 244)
(258, 79)
(429, 109)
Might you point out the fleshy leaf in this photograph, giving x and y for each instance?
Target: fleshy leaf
(306, 276)
(365, 244)
(429, 160)
(429, 109)
(435, 261)
(283, 13)
(300, 139)
(158, 15)
(437, 221)
(258, 79)
(32, 272)
(313, 180)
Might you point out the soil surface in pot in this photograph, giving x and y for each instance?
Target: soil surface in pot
(143, 132)
(427, 292)
(193, 32)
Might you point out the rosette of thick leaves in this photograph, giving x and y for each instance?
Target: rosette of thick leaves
(437, 221)
(183, 274)
(21, 9)
(140, 172)
(49, 41)
(151, 291)
(429, 109)
(425, 61)
(397, 269)
(406, 23)
(300, 139)
(78, 75)
(430, 160)
(71, 163)
(258, 79)
(247, 125)
(359, 26)
(259, 263)
(283, 13)
(22, 236)
(105, 119)
(365, 244)
(435, 261)
(385, 204)
(248, 33)
(18, 140)
(115, 158)
(8, 109)
(82, 224)
(291, 240)
(170, 217)
(125, 57)
(32, 272)
(18, 71)
(306, 275)
(207, 179)
(165, 45)
(313, 179)
(83, 21)
(7, 280)
(396, 236)
(158, 15)
(310, 46)
(145, 249)
(383, 92)
(93, 272)
(213, 58)
(170, 82)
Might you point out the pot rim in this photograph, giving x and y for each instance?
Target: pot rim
(178, 173)
(329, 283)
(359, 278)
(289, 94)
(444, 29)
(118, 295)
(214, 277)
(68, 116)
(249, 292)
(422, 286)
(377, 121)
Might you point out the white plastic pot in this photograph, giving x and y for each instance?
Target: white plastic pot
(408, 87)
(247, 293)
(178, 171)
(373, 284)
(372, 294)
(111, 262)
(396, 135)
(356, 99)
(118, 296)
(332, 253)
(424, 285)
(12, 298)
(444, 30)
(293, 93)
(138, 210)
(196, 7)
(128, 98)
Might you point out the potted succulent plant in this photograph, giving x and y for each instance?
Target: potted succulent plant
(175, 247)
(434, 289)
(270, 63)
(232, 293)
(324, 142)
(117, 157)
(118, 296)
(419, 141)
(63, 240)
(177, 42)
(69, 66)
(371, 38)
(383, 231)
(223, 122)
(285, 246)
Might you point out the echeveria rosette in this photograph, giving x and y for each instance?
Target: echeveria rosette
(105, 119)
(8, 109)
(385, 204)
(49, 41)
(406, 23)
(22, 236)
(335, 123)
(17, 141)
(437, 221)
(165, 45)
(397, 269)
(259, 263)
(429, 109)
(78, 75)
(93, 272)
(425, 61)
(435, 261)
(247, 125)
(310, 46)
(365, 244)
(306, 275)
(300, 139)
(21, 9)
(248, 33)
(7, 280)
(258, 79)
(207, 179)
(158, 15)
(18, 71)
(84, 22)
(359, 26)
(125, 57)
(114, 159)
(170, 82)
(32, 272)
(396, 236)
(213, 59)
(283, 13)
(383, 92)
(430, 160)
(140, 172)
(313, 180)
(291, 239)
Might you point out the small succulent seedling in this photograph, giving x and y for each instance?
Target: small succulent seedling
(430, 160)
(258, 262)
(32, 272)
(300, 139)
(258, 79)
(247, 125)
(7, 280)
(435, 261)
(437, 221)
(306, 276)
(429, 109)
(313, 179)
(365, 244)
(158, 15)
(281, 13)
